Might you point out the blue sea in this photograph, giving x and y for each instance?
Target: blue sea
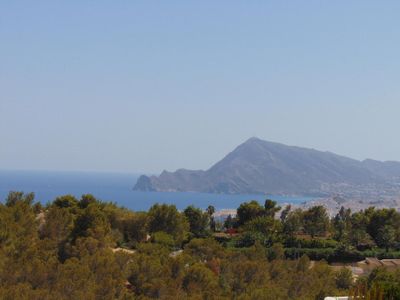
(117, 187)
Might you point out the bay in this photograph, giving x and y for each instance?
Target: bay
(118, 187)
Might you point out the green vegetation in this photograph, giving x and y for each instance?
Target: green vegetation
(88, 249)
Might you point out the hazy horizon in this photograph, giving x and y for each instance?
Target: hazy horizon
(139, 172)
(143, 87)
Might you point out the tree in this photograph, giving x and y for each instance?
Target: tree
(271, 208)
(200, 280)
(303, 264)
(74, 280)
(211, 211)
(277, 251)
(344, 278)
(383, 282)
(58, 225)
(199, 222)
(67, 201)
(86, 200)
(147, 275)
(249, 275)
(134, 227)
(378, 219)
(386, 237)
(323, 281)
(168, 219)
(204, 249)
(316, 221)
(163, 239)
(361, 291)
(16, 197)
(18, 223)
(248, 211)
(293, 222)
(93, 222)
(342, 223)
(285, 213)
(269, 227)
(358, 235)
(228, 224)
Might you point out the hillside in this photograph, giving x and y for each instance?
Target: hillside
(259, 166)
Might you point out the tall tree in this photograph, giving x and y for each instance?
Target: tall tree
(316, 221)
(199, 221)
(163, 217)
(271, 208)
(293, 222)
(268, 227)
(342, 224)
(211, 211)
(285, 213)
(228, 224)
(66, 201)
(248, 211)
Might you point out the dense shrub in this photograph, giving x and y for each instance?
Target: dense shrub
(381, 254)
(310, 243)
(328, 254)
(313, 253)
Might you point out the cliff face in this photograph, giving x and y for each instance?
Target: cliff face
(258, 166)
(144, 184)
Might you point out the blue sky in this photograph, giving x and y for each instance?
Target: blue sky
(139, 86)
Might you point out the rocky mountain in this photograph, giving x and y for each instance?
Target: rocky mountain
(258, 166)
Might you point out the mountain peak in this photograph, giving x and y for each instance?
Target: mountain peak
(253, 139)
(258, 166)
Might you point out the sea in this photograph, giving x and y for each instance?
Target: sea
(118, 188)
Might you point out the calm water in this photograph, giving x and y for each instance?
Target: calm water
(117, 188)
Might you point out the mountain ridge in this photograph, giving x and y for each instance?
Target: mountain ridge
(258, 166)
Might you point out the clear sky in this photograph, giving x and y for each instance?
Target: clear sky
(139, 86)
